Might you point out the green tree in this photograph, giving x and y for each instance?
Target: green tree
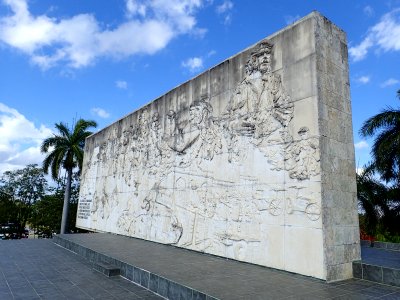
(385, 126)
(25, 187)
(65, 150)
(378, 202)
(46, 214)
(8, 209)
(381, 207)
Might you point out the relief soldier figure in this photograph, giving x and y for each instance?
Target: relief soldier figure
(303, 157)
(200, 136)
(259, 106)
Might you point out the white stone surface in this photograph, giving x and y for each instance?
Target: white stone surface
(229, 163)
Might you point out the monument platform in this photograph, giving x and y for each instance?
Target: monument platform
(177, 273)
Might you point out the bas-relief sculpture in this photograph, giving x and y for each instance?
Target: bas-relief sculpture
(251, 160)
(226, 184)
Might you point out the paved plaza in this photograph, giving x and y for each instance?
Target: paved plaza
(40, 269)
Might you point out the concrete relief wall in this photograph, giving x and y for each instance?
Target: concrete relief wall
(228, 163)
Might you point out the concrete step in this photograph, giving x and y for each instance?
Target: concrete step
(107, 269)
(379, 274)
(378, 265)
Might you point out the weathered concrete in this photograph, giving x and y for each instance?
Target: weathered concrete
(251, 160)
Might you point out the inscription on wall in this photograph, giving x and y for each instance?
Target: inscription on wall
(84, 209)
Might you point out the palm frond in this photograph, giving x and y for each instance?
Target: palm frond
(63, 129)
(82, 126)
(387, 118)
(386, 153)
(47, 162)
(55, 166)
(49, 142)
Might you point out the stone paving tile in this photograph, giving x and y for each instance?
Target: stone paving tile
(6, 296)
(378, 290)
(353, 296)
(325, 293)
(40, 269)
(394, 296)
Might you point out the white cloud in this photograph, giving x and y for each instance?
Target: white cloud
(291, 19)
(20, 140)
(228, 19)
(79, 40)
(363, 79)
(199, 32)
(358, 53)
(224, 7)
(211, 53)
(390, 82)
(383, 36)
(100, 112)
(134, 8)
(368, 11)
(121, 84)
(30, 154)
(361, 145)
(193, 64)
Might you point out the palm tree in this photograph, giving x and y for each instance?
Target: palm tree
(66, 151)
(386, 148)
(371, 194)
(380, 203)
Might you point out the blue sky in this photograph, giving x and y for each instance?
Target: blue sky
(102, 59)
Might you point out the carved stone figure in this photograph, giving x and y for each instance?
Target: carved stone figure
(300, 201)
(200, 137)
(258, 105)
(154, 153)
(303, 157)
(259, 110)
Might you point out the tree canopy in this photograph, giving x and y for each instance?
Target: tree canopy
(19, 190)
(65, 149)
(26, 185)
(385, 127)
